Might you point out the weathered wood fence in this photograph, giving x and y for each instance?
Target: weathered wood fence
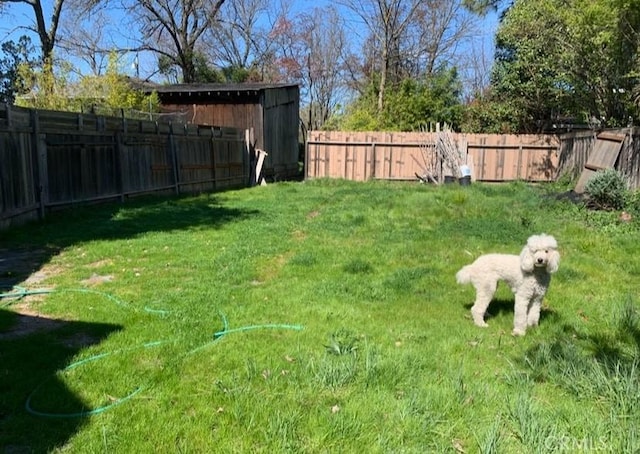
(54, 159)
(575, 149)
(402, 155)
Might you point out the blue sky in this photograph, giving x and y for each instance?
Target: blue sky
(18, 15)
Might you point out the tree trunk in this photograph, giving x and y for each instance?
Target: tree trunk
(383, 77)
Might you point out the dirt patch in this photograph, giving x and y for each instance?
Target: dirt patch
(101, 263)
(29, 269)
(26, 267)
(96, 279)
(17, 264)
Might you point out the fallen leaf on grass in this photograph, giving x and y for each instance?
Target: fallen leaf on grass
(457, 445)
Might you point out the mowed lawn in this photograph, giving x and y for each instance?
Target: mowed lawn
(319, 316)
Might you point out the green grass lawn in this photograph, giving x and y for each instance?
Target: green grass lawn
(321, 317)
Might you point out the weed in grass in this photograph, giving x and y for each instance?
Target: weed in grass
(357, 266)
(343, 342)
(406, 280)
(305, 259)
(459, 198)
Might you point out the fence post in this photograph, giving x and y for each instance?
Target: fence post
(373, 160)
(173, 159)
(119, 155)
(214, 167)
(41, 174)
(520, 157)
(7, 107)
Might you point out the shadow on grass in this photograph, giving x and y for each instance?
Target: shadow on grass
(501, 306)
(29, 358)
(584, 362)
(28, 247)
(33, 355)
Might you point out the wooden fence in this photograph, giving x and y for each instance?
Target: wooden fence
(403, 155)
(54, 159)
(575, 149)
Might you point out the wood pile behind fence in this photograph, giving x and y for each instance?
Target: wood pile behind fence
(54, 159)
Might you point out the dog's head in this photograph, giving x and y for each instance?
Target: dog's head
(540, 252)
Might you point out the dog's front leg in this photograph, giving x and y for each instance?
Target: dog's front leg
(533, 317)
(520, 315)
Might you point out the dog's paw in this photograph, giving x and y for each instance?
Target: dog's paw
(518, 332)
(482, 324)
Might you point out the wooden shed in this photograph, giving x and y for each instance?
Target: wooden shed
(269, 111)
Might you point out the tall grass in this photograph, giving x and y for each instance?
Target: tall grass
(181, 322)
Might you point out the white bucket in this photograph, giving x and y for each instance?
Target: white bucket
(465, 171)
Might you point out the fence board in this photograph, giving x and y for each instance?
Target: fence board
(84, 158)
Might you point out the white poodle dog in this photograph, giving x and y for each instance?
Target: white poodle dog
(528, 275)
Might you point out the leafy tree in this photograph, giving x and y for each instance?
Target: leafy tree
(435, 98)
(14, 56)
(239, 74)
(201, 72)
(45, 87)
(528, 71)
(563, 60)
(113, 94)
(604, 37)
(109, 94)
(482, 7)
(485, 114)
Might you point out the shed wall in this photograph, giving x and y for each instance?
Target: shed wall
(273, 118)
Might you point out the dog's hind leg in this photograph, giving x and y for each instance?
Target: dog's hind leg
(484, 295)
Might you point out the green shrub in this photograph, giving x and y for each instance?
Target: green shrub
(607, 190)
(633, 203)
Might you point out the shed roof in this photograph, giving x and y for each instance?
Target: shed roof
(189, 93)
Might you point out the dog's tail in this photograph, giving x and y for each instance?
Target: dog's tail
(464, 275)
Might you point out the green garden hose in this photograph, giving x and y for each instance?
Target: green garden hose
(20, 292)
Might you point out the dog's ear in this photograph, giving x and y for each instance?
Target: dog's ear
(553, 262)
(526, 260)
